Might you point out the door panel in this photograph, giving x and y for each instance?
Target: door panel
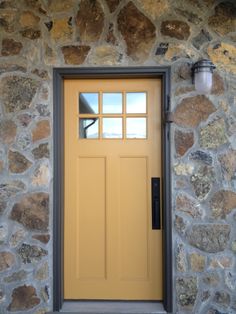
(111, 154)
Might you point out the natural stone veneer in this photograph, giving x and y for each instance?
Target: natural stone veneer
(214, 134)
(31, 253)
(7, 259)
(23, 298)
(209, 238)
(222, 203)
(17, 92)
(17, 162)
(32, 211)
(192, 110)
(90, 20)
(137, 30)
(186, 289)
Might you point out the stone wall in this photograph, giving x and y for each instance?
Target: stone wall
(37, 35)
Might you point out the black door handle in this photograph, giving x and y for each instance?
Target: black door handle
(156, 215)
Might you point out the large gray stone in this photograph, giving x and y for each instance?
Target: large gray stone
(211, 238)
(17, 92)
(31, 253)
(202, 181)
(214, 134)
(186, 291)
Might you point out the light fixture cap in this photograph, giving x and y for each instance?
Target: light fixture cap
(203, 65)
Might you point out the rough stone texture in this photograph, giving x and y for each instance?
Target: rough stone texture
(228, 164)
(183, 141)
(202, 38)
(44, 238)
(193, 110)
(209, 238)
(23, 298)
(222, 203)
(154, 8)
(90, 20)
(17, 237)
(60, 6)
(42, 272)
(31, 253)
(42, 151)
(181, 263)
(137, 30)
(221, 262)
(11, 188)
(186, 288)
(211, 279)
(41, 175)
(75, 54)
(183, 169)
(223, 55)
(112, 4)
(61, 30)
(7, 131)
(224, 19)
(197, 262)
(176, 29)
(201, 157)
(18, 163)
(218, 84)
(41, 130)
(188, 205)
(222, 298)
(31, 33)
(202, 181)
(18, 276)
(10, 47)
(180, 224)
(214, 134)
(29, 19)
(32, 211)
(105, 55)
(7, 259)
(17, 92)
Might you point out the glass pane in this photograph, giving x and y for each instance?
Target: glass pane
(112, 103)
(88, 128)
(136, 103)
(136, 128)
(88, 103)
(112, 127)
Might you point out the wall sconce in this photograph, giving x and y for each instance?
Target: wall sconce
(202, 76)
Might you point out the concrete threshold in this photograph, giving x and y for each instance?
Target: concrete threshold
(112, 307)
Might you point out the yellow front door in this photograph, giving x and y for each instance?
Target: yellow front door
(112, 151)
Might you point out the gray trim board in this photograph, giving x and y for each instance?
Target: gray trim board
(59, 74)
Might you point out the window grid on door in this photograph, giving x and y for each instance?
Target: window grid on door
(113, 115)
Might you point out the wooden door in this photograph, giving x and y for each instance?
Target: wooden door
(112, 150)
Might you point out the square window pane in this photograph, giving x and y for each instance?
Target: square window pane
(88, 128)
(136, 127)
(136, 102)
(112, 103)
(88, 103)
(112, 127)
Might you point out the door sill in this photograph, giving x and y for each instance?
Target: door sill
(112, 307)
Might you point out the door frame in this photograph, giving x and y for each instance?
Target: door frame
(59, 75)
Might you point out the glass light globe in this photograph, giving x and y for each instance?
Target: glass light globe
(203, 82)
(202, 75)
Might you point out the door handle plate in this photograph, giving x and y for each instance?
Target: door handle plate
(156, 204)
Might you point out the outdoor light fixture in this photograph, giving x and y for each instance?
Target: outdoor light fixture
(202, 76)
